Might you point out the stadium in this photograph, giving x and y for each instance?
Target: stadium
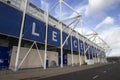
(31, 38)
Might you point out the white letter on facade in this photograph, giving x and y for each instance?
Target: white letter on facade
(75, 44)
(54, 36)
(33, 29)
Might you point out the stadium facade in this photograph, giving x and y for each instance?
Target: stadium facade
(77, 50)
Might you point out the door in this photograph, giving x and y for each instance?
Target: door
(64, 59)
(4, 57)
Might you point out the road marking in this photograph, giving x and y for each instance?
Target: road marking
(109, 68)
(104, 71)
(95, 76)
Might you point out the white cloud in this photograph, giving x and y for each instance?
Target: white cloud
(110, 33)
(83, 30)
(115, 52)
(57, 13)
(79, 9)
(111, 36)
(107, 21)
(97, 7)
(44, 5)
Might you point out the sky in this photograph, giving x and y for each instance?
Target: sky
(103, 16)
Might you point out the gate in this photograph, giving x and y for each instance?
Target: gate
(64, 59)
(5, 54)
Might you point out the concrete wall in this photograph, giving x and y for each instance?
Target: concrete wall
(95, 60)
(76, 59)
(98, 59)
(52, 57)
(32, 60)
(90, 61)
(103, 60)
(82, 59)
(69, 59)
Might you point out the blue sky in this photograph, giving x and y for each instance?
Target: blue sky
(101, 15)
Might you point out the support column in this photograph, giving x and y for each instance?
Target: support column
(84, 51)
(72, 52)
(96, 58)
(46, 16)
(46, 38)
(92, 55)
(61, 42)
(20, 37)
(79, 52)
(89, 52)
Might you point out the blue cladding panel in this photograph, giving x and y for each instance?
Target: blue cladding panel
(75, 43)
(10, 20)
(59, 58)
(34, 29)
(86, 46)
(47, 63)
(53, 36)
(98, 52)
(65, 59)
(81, 46)
(90, 50)
(67, 44)
(4, 57)
(101, 54)
(93, 50)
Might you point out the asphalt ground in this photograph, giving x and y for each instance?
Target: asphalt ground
(107, 72)
(39, 73)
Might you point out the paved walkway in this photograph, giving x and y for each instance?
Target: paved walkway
(33, 74)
